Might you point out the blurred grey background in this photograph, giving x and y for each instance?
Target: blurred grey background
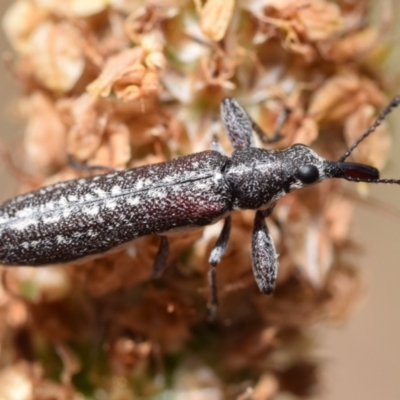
(362, 357)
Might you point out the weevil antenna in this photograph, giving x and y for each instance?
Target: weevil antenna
(389, 181)
(381, 117)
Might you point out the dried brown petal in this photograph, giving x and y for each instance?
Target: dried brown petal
(331, 95)
(217, 70)
(148, 127)
(118, 145)
(375, 149)
(153, 43)
(20, 20)
(155, 61)
(215, 17)
(338, 217)
(89, 122)
(307, 132)
(149, 86)
(302, 22)
(321, 20)
(355, 45)
(127, 76)
(341, 95)
(124, 67)
(309, 245)
(145, 21)
(74, 8)
(45, 136)
(57, 55)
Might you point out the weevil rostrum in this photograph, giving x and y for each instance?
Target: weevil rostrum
(88, 216)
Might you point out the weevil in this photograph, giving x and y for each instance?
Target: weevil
(71, 220)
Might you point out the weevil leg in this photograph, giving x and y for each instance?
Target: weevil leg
(161, 259)
(81, 166)
(215, 258)
(237, 124)
(240, 125)
(263, 254)
(282, 118)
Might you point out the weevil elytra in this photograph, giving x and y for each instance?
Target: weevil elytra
(83, 217)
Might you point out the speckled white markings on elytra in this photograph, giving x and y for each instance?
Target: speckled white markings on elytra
(158, 194)
(148, 182)
(116, 190)
(66, 212)
(49, 206)
(139, 184)
(100, 192)
(60, 239)
(110, 204)
(52, 218)
(93, 210)
(89, 197)
(200, 185)
(133, 201)
(25, 212)
(23, 224)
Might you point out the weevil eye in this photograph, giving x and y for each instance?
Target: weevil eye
(308, 174)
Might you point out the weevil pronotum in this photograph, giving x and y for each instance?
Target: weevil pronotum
(83, 217)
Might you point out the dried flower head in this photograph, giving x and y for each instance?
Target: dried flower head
(125, 83)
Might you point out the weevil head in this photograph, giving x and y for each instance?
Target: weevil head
(301, 167)
(304, 167)
(258, 178)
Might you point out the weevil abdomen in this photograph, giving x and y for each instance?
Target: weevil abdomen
(87, 216)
